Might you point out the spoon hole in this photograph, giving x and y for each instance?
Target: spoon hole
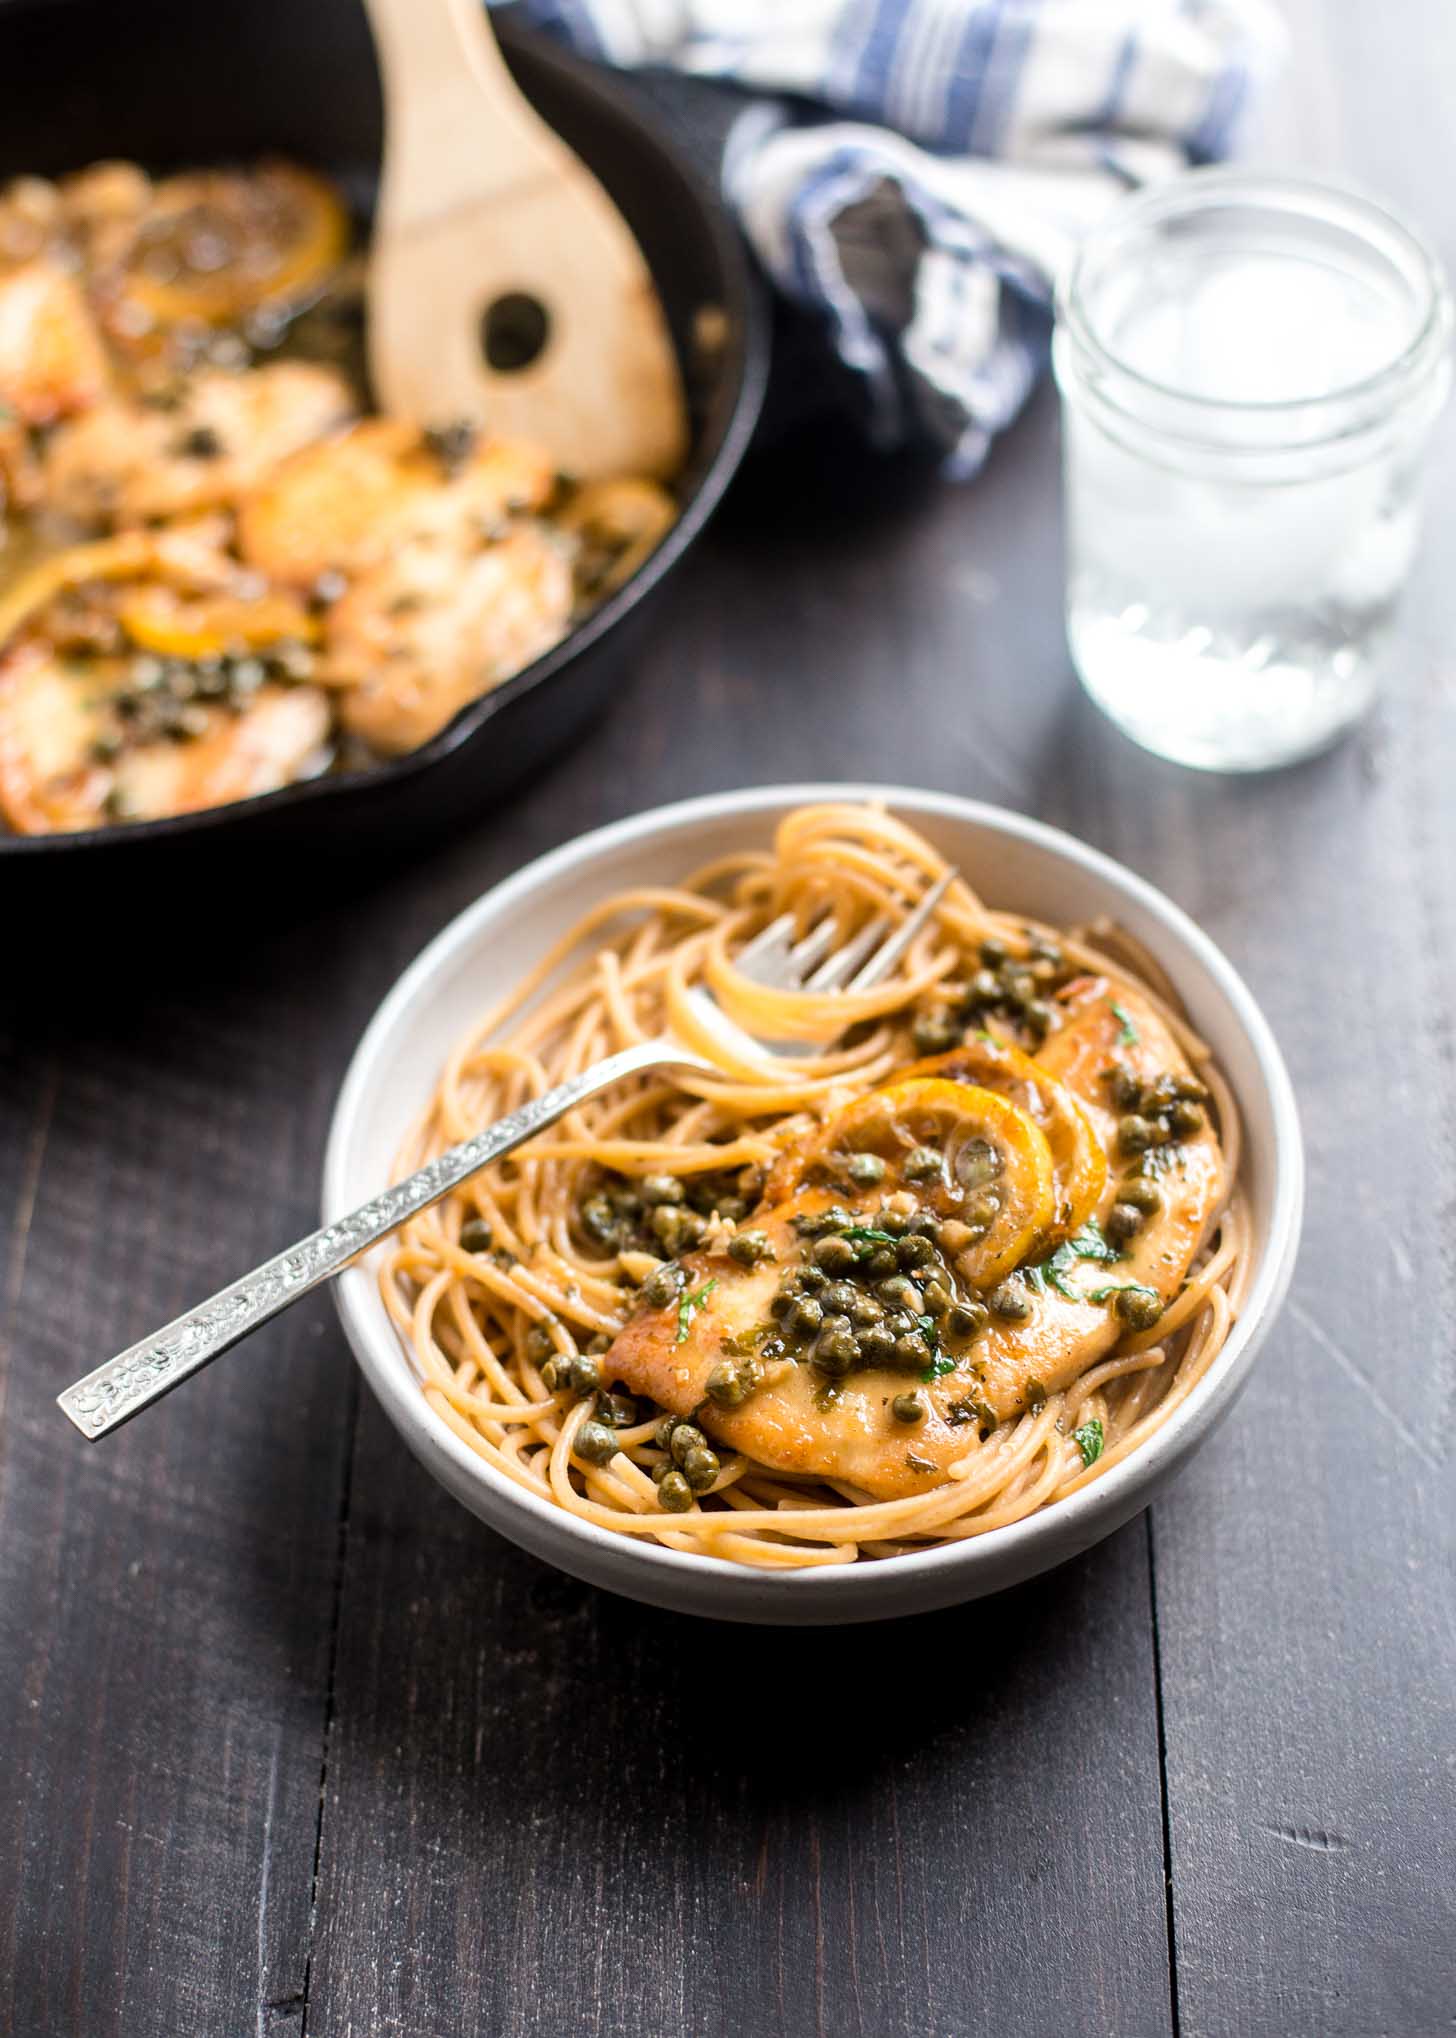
(513, 330)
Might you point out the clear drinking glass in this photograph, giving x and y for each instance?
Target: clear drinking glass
(1250, 368)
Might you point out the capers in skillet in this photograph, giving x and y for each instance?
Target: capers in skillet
(674, 1494)
(921, 1164)
(655, 1189)
(664, 1284)
(1139, 1308)
(476, 1235)
(1010, 1300)
(750, 1248)
(865, 1169)
(834, 1254)
(596, 1443)
(1143, 1195)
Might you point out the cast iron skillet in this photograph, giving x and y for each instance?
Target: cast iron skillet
(172, 82)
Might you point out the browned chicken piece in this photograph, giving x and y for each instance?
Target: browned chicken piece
(128, 462)
(52, 359)
(67, 761)
(343, 504)
(434, 626)
(790, 1424)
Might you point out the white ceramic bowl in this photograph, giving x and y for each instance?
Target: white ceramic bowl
(1014, 863)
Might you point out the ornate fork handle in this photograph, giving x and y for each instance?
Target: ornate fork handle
(145, 1372)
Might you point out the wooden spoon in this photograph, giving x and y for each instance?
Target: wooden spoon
(487, 221)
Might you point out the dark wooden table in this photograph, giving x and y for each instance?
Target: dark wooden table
(292, 1745)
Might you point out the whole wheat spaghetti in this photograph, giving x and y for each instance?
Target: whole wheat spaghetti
(512, 1295)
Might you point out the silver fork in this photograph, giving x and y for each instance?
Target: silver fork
(144, 1372)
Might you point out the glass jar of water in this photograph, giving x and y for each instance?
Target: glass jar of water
(1250, 368)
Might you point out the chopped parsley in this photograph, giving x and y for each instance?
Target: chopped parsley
(688, 1305)
(866, 1234)
(1088, 1439)
(1127, 1032)
(1120, 1288)
(1087, 1244)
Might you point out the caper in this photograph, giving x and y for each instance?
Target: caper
(662, 1435)
(1038, 1015)
(876, 1345)
(539, 1343)
(1047, 954)
(476, 1235)
(1020, 986)
(1135, 1134)
(865, 1310)
(1139, 1308)
(901, 1322)
(674, 1493)
(661, 1189)
(915, 1250)
(686, 1436)
(1189, 1088)
(664, 1284)
(865, 1169)
(936, 1299)
(978, 1163)
(908, 1408)
(893, 1222)
(812, 1280)
(750, 1248)
(899, 1292)
(922, 1224)
(982, 1212)
(1126, 1090)
(840, 1297)
(781, 1303)
(806, 1316)
(600, 1221)
(921, 1164)
(556, 1375)
(1124, 1221)
(994, 952)
(934, 1032)
(1143, 1195)
(911, 1353)
(675, 1228)
(1011, 1301)
(967, 1319)
(583, 1372)
(835, 1255)
(1185, 1117)
(726, 1385)
(618, 1411)
(837, 1348)
(882, 1262)
(700, 1468)
(596, 1443)
(983, 989)
(626, 1202)
(733, 1208)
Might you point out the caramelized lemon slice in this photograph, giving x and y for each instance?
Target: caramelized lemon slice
(963, 1153)
(159, 619)
(1077, 1154)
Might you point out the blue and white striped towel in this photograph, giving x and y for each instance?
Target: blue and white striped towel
(935, 160)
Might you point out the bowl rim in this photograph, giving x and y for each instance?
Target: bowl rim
(728, 428)
(1070, 1523)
